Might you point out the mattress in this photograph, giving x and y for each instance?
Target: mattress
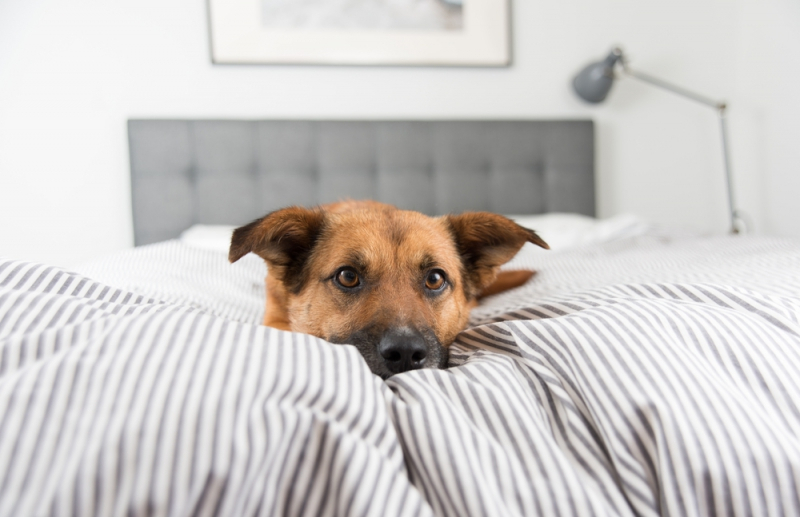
(649, 373)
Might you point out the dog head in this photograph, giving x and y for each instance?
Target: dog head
(396, 284)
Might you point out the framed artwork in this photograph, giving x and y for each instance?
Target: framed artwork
(361, 32)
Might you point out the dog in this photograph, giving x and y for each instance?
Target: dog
(396, 284)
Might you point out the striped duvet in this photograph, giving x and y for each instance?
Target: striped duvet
(646, 376)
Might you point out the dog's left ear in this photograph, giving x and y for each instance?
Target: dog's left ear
(284, 239)
(485, 242)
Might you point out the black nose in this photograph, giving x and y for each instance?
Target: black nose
(403, 349)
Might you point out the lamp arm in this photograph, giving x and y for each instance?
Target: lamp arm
(683, 92)
(737, 222)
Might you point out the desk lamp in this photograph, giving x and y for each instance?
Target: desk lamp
(593, 83)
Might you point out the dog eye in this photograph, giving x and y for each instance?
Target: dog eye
(347, 278)
(435, 280)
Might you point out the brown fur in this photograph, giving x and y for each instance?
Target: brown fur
(392, 250)
(505, 281)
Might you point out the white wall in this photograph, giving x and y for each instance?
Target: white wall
(768, 101)
(71, 73)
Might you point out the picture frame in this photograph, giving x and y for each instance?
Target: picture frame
(291, 32)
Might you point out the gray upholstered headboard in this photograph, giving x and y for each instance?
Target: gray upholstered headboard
(186, 172)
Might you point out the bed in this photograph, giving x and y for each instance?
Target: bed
(643, 371)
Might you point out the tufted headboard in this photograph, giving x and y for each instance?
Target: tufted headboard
(186, 172)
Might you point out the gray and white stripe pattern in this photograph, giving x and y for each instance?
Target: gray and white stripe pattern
(640, 377)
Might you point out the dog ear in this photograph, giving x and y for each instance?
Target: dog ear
(485, 242)
(283, 238)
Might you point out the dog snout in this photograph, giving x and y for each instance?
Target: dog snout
(403, 349)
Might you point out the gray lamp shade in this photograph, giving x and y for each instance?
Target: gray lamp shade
(593, 83)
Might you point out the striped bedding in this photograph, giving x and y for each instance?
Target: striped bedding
(651, 375)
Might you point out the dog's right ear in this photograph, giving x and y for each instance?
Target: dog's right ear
(283, 238)
(485, 242)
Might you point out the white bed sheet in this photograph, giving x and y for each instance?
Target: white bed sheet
(649, 374)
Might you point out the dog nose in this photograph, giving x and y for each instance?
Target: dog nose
(403, 349)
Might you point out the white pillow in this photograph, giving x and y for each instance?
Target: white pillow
(565, 231)
(208, 237)
(560, 231)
